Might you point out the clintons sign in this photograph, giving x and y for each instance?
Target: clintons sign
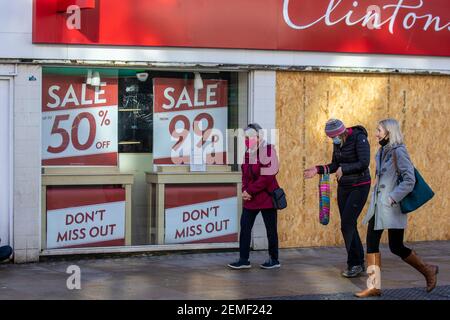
(412, 27)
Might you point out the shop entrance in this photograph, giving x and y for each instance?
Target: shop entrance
(5, 163)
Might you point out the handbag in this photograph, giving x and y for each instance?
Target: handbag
(324, 197)
(278, 196)
(420, 195)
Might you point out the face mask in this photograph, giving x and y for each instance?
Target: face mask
(337, 140)
(251, 142)
(384, 141)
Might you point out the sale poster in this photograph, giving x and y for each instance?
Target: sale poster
(187, 119)
(79, 122)
(201, 213)
(85, 217)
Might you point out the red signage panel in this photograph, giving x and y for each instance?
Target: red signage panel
(411, 27)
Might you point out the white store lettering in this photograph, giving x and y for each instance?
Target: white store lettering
(185, 99)
(71, 96)
(372, 18)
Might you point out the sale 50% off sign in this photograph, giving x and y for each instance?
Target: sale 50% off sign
(79, 122)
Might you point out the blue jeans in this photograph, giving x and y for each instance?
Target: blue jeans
(247, 221)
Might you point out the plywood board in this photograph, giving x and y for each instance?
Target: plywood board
(306, 100)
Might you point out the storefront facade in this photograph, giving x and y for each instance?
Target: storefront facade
(97, 159)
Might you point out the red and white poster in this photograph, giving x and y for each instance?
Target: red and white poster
(201, 213)
(85, 217)
(187, 119)
(79, 121)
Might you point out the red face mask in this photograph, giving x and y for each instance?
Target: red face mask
(251, 142)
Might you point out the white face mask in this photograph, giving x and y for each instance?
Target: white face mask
(337, 140)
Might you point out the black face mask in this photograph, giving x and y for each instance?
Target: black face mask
(383, 142)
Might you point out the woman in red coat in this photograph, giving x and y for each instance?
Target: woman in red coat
(258, 181)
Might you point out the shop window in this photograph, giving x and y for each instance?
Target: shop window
(135, 115)
(107, 133)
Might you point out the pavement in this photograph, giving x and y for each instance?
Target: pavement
(306, 274)
(440, 293)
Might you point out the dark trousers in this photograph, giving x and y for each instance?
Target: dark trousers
(395, 240)
(247, 221)
(351, 201)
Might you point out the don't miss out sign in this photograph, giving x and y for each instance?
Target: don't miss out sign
(85, 217)
(201, 213)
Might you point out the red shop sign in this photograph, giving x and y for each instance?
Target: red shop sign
(412, 27)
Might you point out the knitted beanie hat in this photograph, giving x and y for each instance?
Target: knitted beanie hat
(334, 127)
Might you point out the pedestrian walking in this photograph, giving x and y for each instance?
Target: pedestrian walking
(259, 171)
(392, 160)
(350, 163)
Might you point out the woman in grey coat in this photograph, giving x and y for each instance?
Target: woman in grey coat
(392, 160)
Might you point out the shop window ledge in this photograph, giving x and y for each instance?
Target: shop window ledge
(138, 249)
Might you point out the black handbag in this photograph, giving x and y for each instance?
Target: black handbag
(279, 199)
(278, 196)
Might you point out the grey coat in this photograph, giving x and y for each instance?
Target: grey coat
(387, 216)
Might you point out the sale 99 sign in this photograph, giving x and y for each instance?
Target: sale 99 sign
(199, 213)
(79, 122)
(85, 217)
(187, 119)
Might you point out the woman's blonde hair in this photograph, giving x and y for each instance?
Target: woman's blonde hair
(392, 127)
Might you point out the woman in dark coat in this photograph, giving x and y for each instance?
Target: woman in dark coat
(258, 181)
(350, 162)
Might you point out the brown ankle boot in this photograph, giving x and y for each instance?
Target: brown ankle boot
(373, 288)
(429, 271)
